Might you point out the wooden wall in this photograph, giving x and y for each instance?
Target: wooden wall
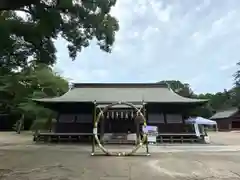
(119, 120)
(224, 124)
(74, 123)
(77, 121)
(167, 123)
(74, 118)
(228, 124)
(168, 118)
(236, 121)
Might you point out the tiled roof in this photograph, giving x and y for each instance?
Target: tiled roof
(225, 114)
(115, 92)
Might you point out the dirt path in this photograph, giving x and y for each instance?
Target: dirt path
(45, 164)
(21, 159)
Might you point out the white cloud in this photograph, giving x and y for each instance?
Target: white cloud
(203, 5)
(227, 66)
(222, 25)
(150, 32)
(162, 14)
(191, 41)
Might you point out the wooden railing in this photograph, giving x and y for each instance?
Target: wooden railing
(116, 138)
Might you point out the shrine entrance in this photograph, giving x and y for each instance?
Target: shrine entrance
(120, 126)
(119, 123)
(119, 120)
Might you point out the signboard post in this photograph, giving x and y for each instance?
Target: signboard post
(197, 130)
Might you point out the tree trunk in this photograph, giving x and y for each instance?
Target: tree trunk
(20, 124)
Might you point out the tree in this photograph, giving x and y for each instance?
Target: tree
(35, 81)
(13, 5)
(236, 76)
(32, 36)
(28, 41)
(220, 100)
(235, 91)
(183, 89)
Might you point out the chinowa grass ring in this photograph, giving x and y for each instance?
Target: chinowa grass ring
(101, 114)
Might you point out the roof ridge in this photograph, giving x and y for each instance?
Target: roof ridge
(120, 85)
(126, 92)
(227, 109)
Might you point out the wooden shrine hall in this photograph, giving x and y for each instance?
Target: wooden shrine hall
(80, 105)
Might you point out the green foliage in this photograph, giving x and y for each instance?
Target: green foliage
(32, 36)
(35, 81)
(183, 89)
(27, 47)
(218, 101)
(237, 76)
(235, 92)
(27, 50)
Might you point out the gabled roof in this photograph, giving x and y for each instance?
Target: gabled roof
(125, 92)
(225, 114)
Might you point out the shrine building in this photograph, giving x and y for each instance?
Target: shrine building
(162, 108)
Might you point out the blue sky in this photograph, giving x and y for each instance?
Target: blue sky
(194, 41)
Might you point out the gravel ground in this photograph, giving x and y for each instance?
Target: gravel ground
(20, 159)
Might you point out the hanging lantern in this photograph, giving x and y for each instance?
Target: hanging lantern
(132, 114)
(107, 115)
(126, 115)
(112, 114)
(122, 115)
(117, 114)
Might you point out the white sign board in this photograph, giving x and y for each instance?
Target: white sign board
(150, 129)
(152, 132)
(152, 139)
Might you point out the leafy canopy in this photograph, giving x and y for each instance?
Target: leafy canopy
(32, 36)
(17, 89)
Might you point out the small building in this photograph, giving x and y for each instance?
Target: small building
(162, 108)
(227, 120)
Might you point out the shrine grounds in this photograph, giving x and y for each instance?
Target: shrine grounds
(21, 159)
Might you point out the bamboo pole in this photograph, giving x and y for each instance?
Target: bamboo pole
(93, 136)
(144, 114)
(102, 129)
